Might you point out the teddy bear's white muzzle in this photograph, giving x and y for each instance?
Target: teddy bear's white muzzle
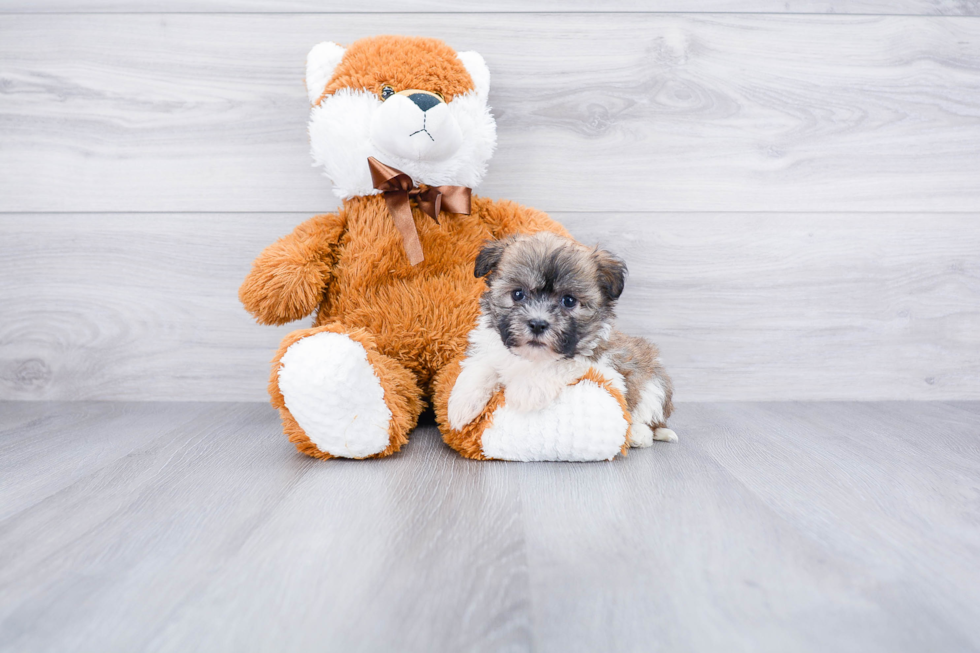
(402, 128)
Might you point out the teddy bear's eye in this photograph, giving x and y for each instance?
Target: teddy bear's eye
(386, 92)
(440, 96)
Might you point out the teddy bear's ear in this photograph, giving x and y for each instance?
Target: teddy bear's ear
(488, 258)
(320, 62)
(477, 68)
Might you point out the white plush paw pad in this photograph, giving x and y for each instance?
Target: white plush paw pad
(334, 395)
(584, 423)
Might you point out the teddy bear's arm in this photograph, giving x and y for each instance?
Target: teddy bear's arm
(288, 278)
(506, 218)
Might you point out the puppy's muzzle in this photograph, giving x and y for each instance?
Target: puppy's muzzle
(537, 327)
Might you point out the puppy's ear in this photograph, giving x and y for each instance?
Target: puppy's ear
(611, 271)
(489, 257)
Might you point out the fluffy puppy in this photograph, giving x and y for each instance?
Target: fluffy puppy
(546, 318)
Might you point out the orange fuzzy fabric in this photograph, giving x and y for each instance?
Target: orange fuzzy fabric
(412, 320)
(403, 63)
(401, 393)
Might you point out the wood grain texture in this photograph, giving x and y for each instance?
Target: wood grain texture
(75, 439)
(134, 306)
(744, 307)
(646, 112)
(146, 552)
(769, 527)
(776, 516)
(885, 7)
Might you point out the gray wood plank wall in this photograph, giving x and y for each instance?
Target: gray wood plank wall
(874, 7)
(797, 194)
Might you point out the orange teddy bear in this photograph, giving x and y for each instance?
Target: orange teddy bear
(391, 274)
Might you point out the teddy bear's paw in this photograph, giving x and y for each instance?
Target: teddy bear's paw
(586, 422)
(334, 394)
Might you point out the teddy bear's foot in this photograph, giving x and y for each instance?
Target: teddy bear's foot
(339, 397)
(588, 421)
(332, 392)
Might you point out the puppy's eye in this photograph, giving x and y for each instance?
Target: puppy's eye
(568, 301)
(386, 92)
(517, 295)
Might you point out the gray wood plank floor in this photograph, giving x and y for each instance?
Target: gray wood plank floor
(769, 527)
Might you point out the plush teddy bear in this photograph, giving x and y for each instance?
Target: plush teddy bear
(402, 129)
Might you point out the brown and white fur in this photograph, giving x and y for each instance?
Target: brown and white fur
(547, 318)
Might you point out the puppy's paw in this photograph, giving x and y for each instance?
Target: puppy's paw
(525, 402)
(464, 408)
(470, 394)
(664, 435)
(641, 435)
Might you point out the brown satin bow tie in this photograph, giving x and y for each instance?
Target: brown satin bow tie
(399, 191)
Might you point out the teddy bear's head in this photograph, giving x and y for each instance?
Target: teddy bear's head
(412, 103)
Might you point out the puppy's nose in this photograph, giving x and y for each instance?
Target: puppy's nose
(537, 326)
(424, 101)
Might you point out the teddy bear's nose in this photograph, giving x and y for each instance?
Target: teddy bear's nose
(424, 101)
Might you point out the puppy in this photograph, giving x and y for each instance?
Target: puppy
(546, 318)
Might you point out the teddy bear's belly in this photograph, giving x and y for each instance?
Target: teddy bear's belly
(423, 322)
